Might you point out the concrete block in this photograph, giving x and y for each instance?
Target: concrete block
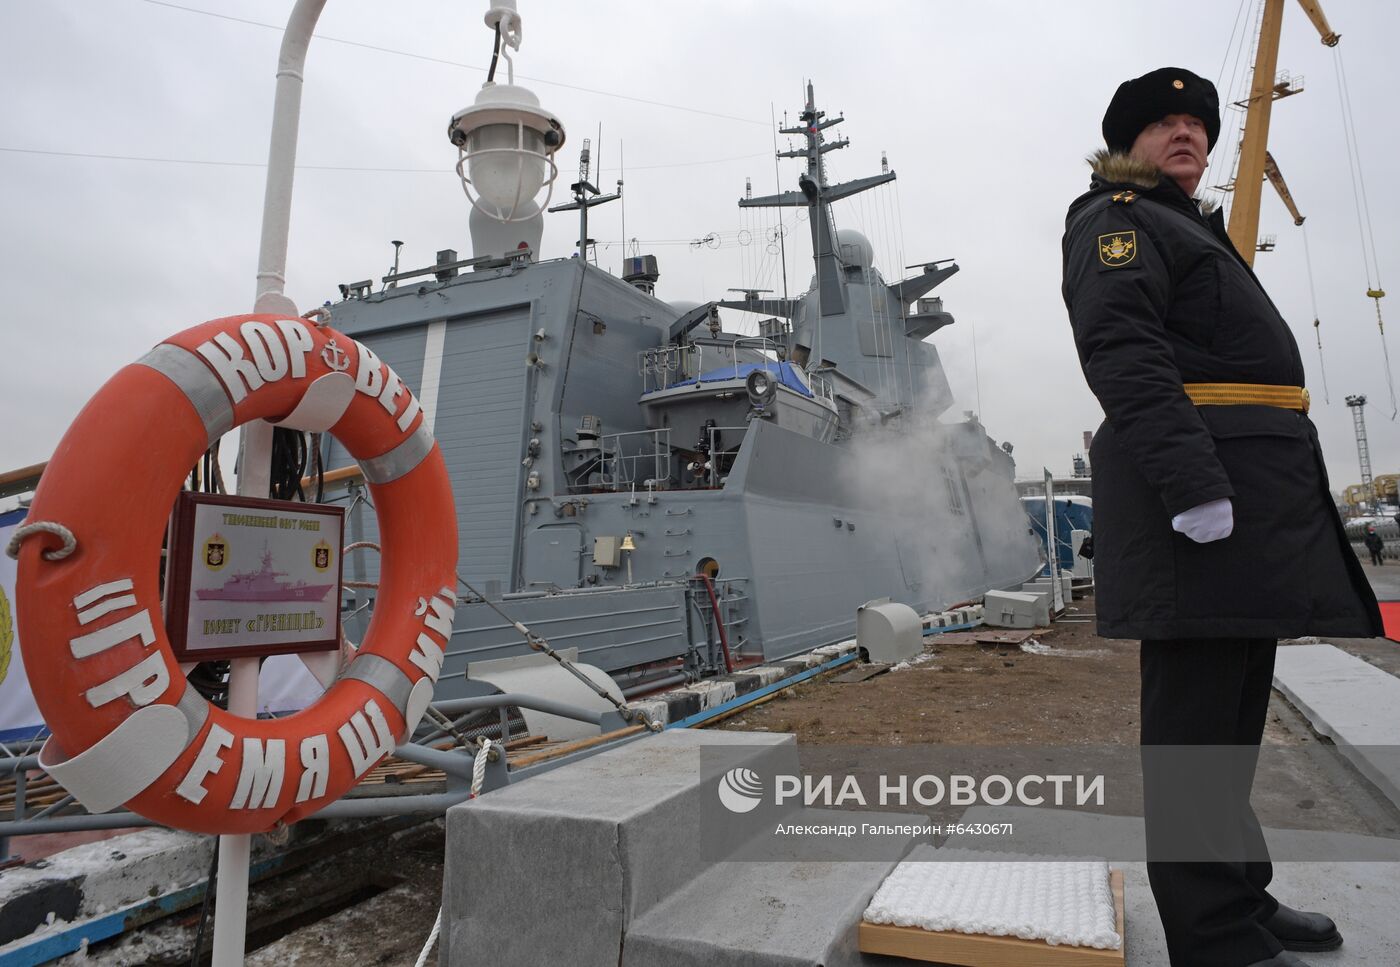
(1354, 703)
(654, 709)
(792, 913)
(1042, 607)
(82, 888)
(553, 869)
(1015, 609)
(98, 877)
(712, 693)
(769, 674)
(744, 682)
(1360, 895)
(681, 704)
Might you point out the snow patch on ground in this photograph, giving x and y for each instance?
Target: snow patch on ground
(1031, 646)
(914, 662)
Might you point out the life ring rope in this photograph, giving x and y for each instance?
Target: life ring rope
(70, 543)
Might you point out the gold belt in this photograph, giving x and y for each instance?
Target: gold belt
(1248, 394)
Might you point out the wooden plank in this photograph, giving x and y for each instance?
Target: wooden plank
(576, 746)
(952, 638)
(21, 481)
(979, 950)
(1002, 637)
(984, 636)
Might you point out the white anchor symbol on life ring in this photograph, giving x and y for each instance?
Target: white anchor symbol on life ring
(334, 357)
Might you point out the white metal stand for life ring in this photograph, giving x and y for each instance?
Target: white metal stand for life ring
(231, 900)
(255, 449)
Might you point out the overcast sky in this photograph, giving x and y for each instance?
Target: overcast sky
(986, 111)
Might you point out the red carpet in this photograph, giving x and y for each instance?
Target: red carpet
(1390, 615)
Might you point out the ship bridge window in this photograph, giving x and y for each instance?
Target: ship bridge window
(955, 503)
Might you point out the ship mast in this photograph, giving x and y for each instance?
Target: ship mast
(816, 196)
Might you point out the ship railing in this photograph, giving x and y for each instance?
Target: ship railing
(759, 344)
(664, 366)
(722, 451)
(822, 386)
(635, 457)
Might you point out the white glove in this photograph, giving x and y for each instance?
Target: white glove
(1206, 522)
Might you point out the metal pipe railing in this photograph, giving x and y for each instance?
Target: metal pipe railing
(456, 706)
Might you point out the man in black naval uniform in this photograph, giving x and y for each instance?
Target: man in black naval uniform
(1215, 533)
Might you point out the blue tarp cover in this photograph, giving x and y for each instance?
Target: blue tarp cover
(1069, 516)
(784, 373)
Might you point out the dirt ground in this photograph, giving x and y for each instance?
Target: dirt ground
(1063, 687)
(1078, 689)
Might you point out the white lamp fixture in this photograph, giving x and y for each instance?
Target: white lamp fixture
(505, 140)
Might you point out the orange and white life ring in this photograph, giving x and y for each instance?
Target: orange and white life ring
(127, 728)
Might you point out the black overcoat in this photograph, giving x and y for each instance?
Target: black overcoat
(1158, 297)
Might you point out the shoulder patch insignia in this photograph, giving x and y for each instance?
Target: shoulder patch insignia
(1117, 248)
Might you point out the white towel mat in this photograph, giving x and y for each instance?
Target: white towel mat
(1059, 901)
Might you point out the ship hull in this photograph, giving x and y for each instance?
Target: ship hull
(801, 530)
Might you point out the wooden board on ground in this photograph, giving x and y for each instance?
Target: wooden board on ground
(979, 950)
(953, 638)
(1003, 637)
(982, 637)
(862, 674)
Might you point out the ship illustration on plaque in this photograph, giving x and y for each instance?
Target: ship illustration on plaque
(264, 584)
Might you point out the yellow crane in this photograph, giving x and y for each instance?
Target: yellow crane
(1265, 88)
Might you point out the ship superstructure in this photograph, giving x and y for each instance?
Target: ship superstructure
(639, 483)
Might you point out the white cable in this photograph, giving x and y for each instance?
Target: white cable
(483, 755)
(1317, 322)
(432, 939)
(70, 543)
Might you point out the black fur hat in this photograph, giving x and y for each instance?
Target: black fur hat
(1151, 97)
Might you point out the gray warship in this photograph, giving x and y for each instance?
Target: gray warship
(670, 498)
